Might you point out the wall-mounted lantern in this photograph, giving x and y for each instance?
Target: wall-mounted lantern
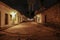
(13, 16)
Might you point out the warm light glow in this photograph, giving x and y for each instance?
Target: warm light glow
(39, 18)
(38, 15)
(13, 14)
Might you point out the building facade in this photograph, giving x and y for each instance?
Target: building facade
(8, 16)
(39, 17)
(50, 15)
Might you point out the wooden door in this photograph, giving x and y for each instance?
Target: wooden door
(45, 18)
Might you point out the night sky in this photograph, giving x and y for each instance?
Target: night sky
(22, 5)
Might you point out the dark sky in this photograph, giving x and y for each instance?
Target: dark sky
(22, 5)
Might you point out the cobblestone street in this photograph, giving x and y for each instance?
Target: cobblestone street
(29, 31)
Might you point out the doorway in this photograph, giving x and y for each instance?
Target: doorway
(0, 18)
(45, 18)
(6, 19)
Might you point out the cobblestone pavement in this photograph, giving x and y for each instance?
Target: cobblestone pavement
(29, 31)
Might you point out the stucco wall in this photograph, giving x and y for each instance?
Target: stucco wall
(3, 12)
(53, 14)
(7, 10)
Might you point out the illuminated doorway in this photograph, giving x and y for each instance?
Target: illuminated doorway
(6, 19)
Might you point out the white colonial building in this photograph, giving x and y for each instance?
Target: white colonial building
(39, 17)
(9, 16)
